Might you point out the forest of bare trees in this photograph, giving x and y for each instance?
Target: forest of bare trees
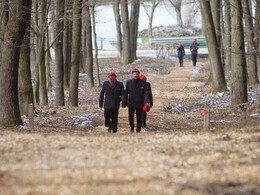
(30, 28)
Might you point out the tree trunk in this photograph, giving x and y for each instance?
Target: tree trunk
(251, 54)
(9, 63)
(150, 23)
(178, 14)
(227, 35)
(118, 28)
(239, 82)
(59, 73)
(89, 46)
(95, 42)
(84, 40)
(219, 83)
(74, 73)
(126, 55)
(257, 26)
(4, 7)
(134, 27)
(48, 62)
(25, 90)
(67, 39)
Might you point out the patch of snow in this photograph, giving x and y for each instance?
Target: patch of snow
(255, 115)
(196, 70)
(24, 127)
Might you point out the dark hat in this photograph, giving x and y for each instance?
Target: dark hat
(112, 75)
(135, 70)
(143, 77)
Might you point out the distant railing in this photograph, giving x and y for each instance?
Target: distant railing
(179, 39)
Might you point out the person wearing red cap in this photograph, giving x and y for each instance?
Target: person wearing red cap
(181, 53)
(194, 51)
(136, 94)
(114, 91)
(146, 107)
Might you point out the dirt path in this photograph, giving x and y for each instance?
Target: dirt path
(169, 158)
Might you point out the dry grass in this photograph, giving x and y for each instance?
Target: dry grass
(172, 157)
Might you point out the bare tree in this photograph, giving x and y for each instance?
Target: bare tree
(218, 79)
(239, 81)
(251, 51)
(177, 6)
(13, 34)
(118, 27)
(155, 3)
(134, 18)
(227, 35)
(74, 73)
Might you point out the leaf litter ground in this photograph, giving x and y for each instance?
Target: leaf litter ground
(70, 152)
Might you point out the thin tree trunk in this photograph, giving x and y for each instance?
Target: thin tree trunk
(219, 83)
(48, 62)
(118, 27)
(95, 42)
(25, 89)
(59, 73)
(4, 7)
(251, 54)
(74, 73)
(150, 23)
(126, 55)
(178, 14)
(89, 46)
(239, 81)
(257, 26)
(227, 35)
(9, 63)
(134, 27)
(84, 40)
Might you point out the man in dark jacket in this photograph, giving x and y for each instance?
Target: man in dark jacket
(194, 51)
(181, 53)
(114, 91)
(136, 94)
(144, 114)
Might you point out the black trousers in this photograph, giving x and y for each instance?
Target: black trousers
(181, 60)
(131, 112)
(144, 115)
(111, 118)
(194, 58)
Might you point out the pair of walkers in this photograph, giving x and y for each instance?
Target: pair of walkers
(194, 52)
(137, 96)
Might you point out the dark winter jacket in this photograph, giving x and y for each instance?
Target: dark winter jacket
(194, 47)
(181, 51)
(114, 95)
(136, 93)
(150, 93)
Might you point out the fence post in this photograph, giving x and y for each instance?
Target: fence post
(206, 114)
(31, 115)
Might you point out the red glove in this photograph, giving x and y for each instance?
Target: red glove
(146, 108)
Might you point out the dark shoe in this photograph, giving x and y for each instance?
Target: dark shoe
(114, 131)
(143, 126)
(109, 130)
(132, 130)
(138, 130)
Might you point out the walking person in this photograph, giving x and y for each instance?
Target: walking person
(181, 53)
(136, 94)
(144, 113)
(194, 51)
(114, 91)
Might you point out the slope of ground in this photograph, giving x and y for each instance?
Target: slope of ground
(70, 152)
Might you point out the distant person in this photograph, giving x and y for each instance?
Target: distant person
(114, 91)
(146, 109)
(194, 51)
(181, 53)
(136, 94)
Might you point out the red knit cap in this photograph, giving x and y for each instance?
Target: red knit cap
(135, 70)
(180, 43)
(143, 77)
(194, 40)
(112, 75)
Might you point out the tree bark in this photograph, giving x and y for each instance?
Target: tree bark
(67, 39)
(227, 35)
(95, 42)
(89, 46)
(118, 28)
(9, 63)
(257, 26)
(135, 6)
(4, 7)
(251, 51)
(25, 89)
(239, 81)
(219, 83)
(59, 73)
(74, 73)
(126, 55)
(48, 62)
